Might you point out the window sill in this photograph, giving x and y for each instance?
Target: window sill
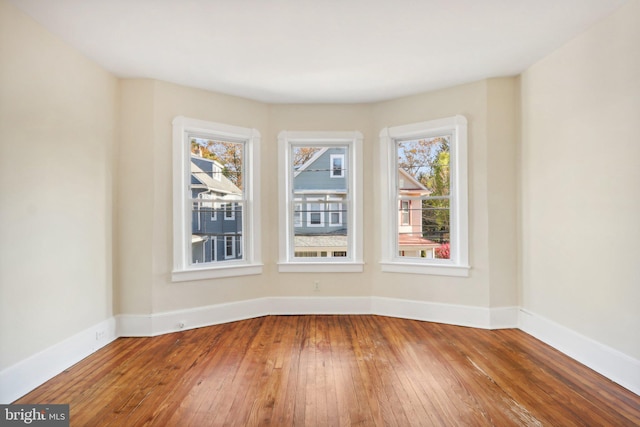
(320, 267)
(216, 272)
(431, 269)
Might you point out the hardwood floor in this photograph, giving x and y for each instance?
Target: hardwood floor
(336, 370)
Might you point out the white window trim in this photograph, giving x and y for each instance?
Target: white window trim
(229, 207)
(287, 262)
(458, 265)
(336, 156)
(183, 270)
(214, 247)
(403, 212)
(232, 239)
(297, 213)
(310, 211)
(333, 203)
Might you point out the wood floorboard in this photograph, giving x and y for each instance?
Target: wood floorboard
(336, 371)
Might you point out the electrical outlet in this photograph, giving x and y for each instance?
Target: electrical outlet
(101, 334)
(316, 286)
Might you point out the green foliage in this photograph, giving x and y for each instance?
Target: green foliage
(428, 160)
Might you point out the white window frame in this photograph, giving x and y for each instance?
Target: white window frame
(336, 156)
(214, 247)
(404, 212)
(458, 264)
(216, 172)
(229, 208)
(287, 261)
(232, 239)
(311, 204)
(333, 204)
(297, 213)
(183, 270)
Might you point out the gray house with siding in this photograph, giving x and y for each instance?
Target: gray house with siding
(320, 205)
(216, 221)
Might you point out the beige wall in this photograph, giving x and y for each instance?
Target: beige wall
(133, 217)
(58, 127)
(145, 203)
(145, 199)
(472, 101)
(580, 183)
(146, 218)
(320, 118)
(503, 140)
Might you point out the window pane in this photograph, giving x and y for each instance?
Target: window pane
(423, 197)
(218, 200)
(320, 189)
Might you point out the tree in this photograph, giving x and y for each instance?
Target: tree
(302, 155)
(417, 156)
(228, 154)
(427, 160)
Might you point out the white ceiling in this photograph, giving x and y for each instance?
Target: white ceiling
(320, 51)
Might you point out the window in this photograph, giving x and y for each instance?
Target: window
(337, 166)
(214, 247)
(424, 208)
(321, 199)
(405, 212)
(297, 214)
(216, 163)
(335, 213)
(230, 247)
(315, 214)
(229, 211)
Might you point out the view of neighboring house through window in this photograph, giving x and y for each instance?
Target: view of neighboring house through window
(321, 198)
(425, 216)
(423, 197)
(214, 200)
(319, 178)
(216, 176)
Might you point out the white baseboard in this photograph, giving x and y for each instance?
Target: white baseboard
(173, 321)
(162, 323)
(319, 305)
(134, 325)
(611, 363)
(209, 315)
(24, 376)
(461, 315)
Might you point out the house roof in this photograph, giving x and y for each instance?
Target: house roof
(223, 186)
(413, 240)
(408, 184)
(321, 241)
(311, 161)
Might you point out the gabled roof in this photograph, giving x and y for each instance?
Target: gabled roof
(411, 185)
(311, 161)
(223, 186)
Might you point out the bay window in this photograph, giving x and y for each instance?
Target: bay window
(216, 232)
(424, 205)
(321, 201)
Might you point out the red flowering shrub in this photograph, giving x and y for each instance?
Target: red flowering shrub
(443, 251)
